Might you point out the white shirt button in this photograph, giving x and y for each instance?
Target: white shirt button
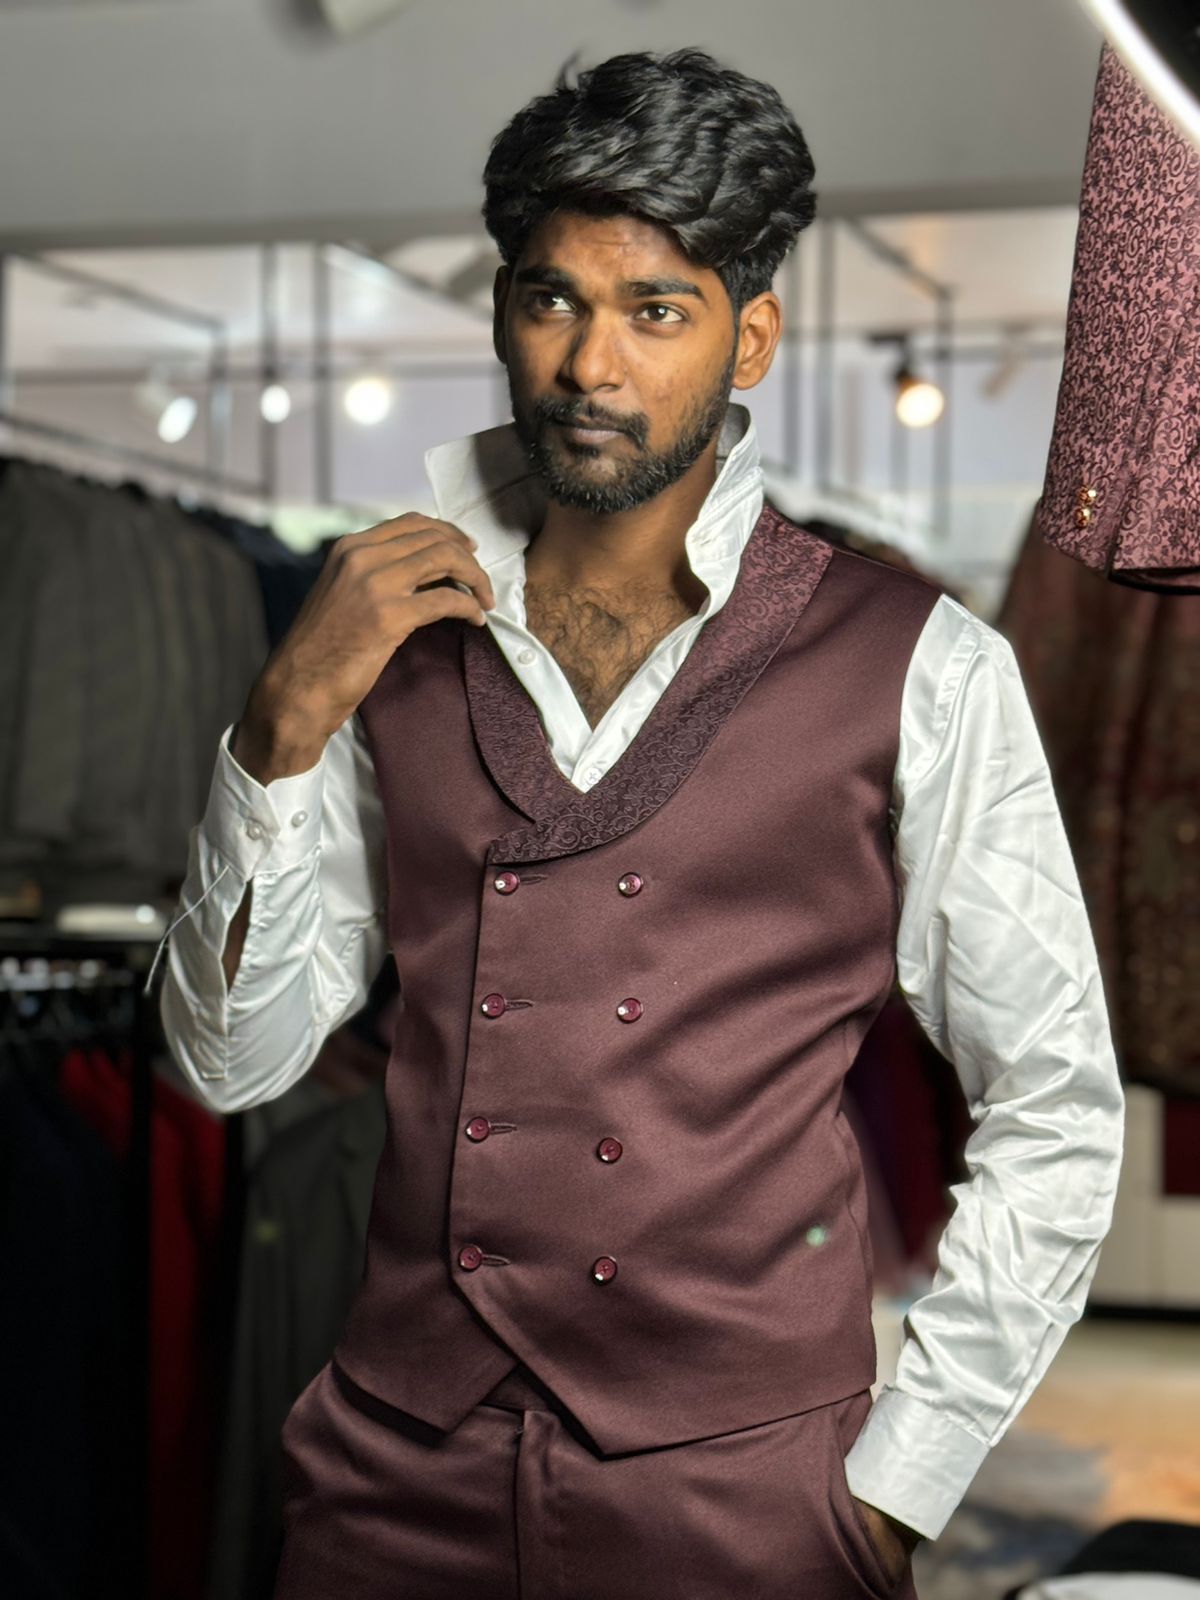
(299, 819)
(527, 657)
(254, 829)
(593, 774)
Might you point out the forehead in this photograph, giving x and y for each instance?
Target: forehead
(597, 251)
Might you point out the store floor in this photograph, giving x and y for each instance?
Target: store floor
(1109, 1433)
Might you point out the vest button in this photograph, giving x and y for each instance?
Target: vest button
(478, 1128)
(493, 1005)
(469, 1257)
(604, 1269)
(629, 1010)
(505, 882)
(609, 1149)
(631, 883)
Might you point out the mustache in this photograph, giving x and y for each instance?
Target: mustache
(569, 416)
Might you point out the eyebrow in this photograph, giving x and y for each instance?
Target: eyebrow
(629, 288)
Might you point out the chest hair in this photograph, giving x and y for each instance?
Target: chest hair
(600, 638)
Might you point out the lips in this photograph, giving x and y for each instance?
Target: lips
(593, 432)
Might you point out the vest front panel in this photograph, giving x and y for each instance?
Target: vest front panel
(665, 1215)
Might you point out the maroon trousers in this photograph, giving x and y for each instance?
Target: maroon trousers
(515, 1504)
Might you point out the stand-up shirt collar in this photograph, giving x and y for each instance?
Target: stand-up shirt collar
(485, 485)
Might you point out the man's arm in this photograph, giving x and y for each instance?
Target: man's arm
(287, 885)
(282, 926)
(996, 957)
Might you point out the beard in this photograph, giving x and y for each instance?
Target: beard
(567, 477)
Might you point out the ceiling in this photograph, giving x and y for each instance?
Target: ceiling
(166, 121)
(1007, 269)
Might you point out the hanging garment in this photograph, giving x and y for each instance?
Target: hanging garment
(1138, 1559)
(187, 1156)
(1122, 489)
(285, 575)
(909, 1107)
(129, 635)
(311, 1167)
(1113, 676)
(66, 1455)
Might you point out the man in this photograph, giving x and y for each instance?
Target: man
(648, 792)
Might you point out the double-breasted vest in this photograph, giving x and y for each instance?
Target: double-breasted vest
(616, 1146)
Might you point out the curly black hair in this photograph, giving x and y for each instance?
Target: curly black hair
(675, 139)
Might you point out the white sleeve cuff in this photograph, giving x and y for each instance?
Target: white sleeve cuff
(262, 829)
(912, 1461)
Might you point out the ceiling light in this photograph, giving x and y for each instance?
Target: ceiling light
(177, 419)
(173, 414)
(275, 403)
(918, 402)
(368, 400)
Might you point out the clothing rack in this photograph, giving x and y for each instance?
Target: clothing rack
(35, 959)
(143, 460)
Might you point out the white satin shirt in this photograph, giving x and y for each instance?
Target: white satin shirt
(994, 954)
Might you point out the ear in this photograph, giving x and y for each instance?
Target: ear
(500, 286)
(759, 328)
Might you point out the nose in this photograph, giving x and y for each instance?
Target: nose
(593, 359)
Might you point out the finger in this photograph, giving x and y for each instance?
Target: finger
(415, 559)
(432, 605)
(410, 523)
(432, 563)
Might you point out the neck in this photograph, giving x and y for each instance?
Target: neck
(642, 548)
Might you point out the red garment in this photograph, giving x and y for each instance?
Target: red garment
(186, 1198)
(1122, 491)
(1112, 676)
(1180, 1146)
(910, 1109)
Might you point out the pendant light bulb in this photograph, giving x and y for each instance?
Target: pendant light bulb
(275, 403)
(368, 400)
(919, 403)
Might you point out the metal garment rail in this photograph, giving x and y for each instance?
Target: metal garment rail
(126, 962)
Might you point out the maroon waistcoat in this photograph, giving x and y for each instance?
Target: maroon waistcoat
(698, 1028)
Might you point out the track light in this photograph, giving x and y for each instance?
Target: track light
(174, 415)
(918, 402)
(177, 419)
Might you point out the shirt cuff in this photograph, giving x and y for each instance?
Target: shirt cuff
(262, 829)
(911, 1461)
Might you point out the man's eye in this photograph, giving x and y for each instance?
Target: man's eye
(539, 297)
(674, 315)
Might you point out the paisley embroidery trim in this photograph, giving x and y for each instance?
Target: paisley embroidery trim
(779, 571)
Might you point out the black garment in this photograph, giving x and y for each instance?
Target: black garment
(303, 1242)
(130, 634)
(284, 575)
(66, 1456)
(1136, 1545)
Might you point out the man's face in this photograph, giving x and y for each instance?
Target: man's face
(604, 322)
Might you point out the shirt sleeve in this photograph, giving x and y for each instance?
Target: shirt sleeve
(996, 957)
(313, 847)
